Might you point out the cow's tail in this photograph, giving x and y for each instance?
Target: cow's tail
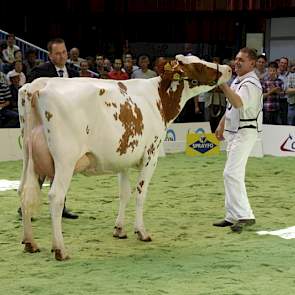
(29, 189)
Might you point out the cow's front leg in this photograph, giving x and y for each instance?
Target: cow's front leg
(125, 193)
(56, 195)
(145, 176)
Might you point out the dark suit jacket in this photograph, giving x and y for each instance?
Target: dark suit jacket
(48, 70)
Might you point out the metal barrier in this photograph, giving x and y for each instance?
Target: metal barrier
(24, 46)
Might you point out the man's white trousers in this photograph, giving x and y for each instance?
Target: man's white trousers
(239, 146)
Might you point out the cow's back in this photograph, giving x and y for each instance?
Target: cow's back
(113, 120)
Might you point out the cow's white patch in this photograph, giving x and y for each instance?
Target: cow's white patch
(6, 185)
(285, 233)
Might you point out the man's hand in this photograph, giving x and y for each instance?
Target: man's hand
(219, 132)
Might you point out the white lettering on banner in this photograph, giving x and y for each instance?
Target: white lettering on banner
(198, 145)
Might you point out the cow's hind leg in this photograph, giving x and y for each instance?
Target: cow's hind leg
(59, 188)
(30, 199)
(145, 176)
(125, 193)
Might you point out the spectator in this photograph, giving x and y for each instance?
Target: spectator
(117, 73)
(18, 67)
(74, 57)
(8, 53)
(283, 75)
(91, 63)
(291, 98)
(260, 69)
(14, 86)
(8, 117)
(3, 78)
(272, 88)
(84, 70)
(31, 61)
(129, 60)
(143, 72)
(18, 56)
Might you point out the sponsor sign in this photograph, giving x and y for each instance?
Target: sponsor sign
(202, 144)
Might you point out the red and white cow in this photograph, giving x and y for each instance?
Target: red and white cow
(101, 126)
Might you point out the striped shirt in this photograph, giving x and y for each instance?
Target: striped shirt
(5, 94)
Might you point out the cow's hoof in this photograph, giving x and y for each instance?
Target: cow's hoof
(59, 256)
(142, 237)
(118, 233)
(31, 247)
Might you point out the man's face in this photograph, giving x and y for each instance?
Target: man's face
(118, 64)
(283, 64)
(243, 64)
(10, 41)
(84, 66)
(74, 54)
(260, 64)
(58, 54)
(99, 60)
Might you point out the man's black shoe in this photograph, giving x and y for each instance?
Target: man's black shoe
(222, 223)
(241, 224)
(67, 214)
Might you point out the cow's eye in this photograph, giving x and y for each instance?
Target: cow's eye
(195, 82)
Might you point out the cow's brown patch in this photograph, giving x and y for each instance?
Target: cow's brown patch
(116, 116)
(131, 118)
(102, 91)
(23, 102)
(48, 115)
(87, 129)
(141, 183)
(159, 143)
(201, 73)
(123, 88)
(151, 149)
(169, 106)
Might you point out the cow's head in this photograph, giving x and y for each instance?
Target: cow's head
(201, 76)
(186, 77)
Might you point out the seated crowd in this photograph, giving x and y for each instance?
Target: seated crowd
(277, 80)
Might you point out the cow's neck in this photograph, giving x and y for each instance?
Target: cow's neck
(171, 94)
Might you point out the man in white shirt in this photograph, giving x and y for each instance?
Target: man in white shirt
(143, 72)
(240, 126)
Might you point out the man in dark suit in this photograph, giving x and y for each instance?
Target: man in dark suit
(56, 67)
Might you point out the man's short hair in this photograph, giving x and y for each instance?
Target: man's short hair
(54, 41)
(251, 52)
